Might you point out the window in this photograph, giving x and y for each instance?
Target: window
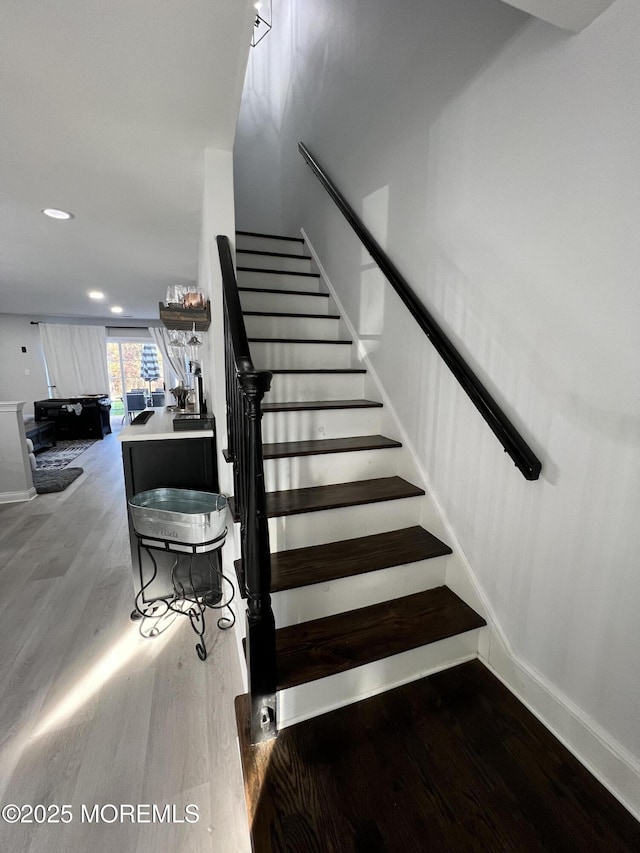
(136, 376)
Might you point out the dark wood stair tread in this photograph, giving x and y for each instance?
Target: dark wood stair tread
(278, 450)
(337, 643)
(315, 447)
(280, 272)
(297, 341)
(320, 404)
(270, 236)
(277, 291)
(322, 563)
(273, 254)
(337, 495)
(319, 370)
(290, 314)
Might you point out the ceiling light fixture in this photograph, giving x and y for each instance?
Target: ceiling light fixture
(262, 23)
(116, 309)
(56, 213)
(96, 294)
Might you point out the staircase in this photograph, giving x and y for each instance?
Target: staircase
(358, 583)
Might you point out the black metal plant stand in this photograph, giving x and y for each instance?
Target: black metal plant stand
(197, 600)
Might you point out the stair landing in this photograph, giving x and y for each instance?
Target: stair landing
(453, 762)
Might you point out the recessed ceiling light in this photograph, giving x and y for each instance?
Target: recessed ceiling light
(116, 309)
(56, 213)
(96, 294)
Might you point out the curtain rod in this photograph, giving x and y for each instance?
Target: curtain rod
(37, 323)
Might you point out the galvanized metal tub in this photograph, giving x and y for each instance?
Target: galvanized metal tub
(179, 515)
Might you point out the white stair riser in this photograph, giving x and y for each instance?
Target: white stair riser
(268, 244)
(296, 304)
(298, 472)
(332, 525)
(293, 606)
(320, 423)
(323, 328)
(307, 387)
(317, 697)
(272, 356)
(276, 281)
(272, 262)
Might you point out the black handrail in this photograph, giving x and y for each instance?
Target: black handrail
(245, 388)
(513, 443)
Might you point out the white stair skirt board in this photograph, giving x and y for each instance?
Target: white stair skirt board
(303, 604)
(298, 303)
(272, 262)
(325, 328)
(268, 244)
(333, 525)
(273, 356)
(277, 281)
(298, 472)
(326, 694)
(319, 423)
(307, 387)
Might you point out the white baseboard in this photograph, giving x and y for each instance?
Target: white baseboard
(596, 749)
(16, 497)
(614, 766)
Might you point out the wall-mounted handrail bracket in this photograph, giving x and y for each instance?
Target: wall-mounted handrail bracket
(513, 443)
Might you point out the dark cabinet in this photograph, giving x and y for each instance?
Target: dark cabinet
(76, 417)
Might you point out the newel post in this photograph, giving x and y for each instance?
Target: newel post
(261, 634)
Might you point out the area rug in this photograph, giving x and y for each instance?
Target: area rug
(62, 454)
(54, 481)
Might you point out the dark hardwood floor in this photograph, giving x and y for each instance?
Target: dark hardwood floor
(450, 763)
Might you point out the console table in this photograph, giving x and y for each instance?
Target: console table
(154, 457)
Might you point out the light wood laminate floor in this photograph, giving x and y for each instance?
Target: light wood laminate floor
(91, 711)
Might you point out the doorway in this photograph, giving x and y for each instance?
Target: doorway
(136, 378)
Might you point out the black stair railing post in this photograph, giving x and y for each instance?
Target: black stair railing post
(232, 402)
(261, 658)
(245, 389)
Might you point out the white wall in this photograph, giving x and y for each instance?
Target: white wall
(217, 218)
(257, 173)
(22, 375)
(496, 159)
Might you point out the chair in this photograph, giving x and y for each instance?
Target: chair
(157, 399)
(136, 402)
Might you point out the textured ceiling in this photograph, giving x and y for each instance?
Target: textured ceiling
(106, 111)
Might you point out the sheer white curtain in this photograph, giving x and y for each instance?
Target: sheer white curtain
(76, 359)
(173, 364)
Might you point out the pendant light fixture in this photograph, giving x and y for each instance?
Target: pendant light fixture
(262, 23)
